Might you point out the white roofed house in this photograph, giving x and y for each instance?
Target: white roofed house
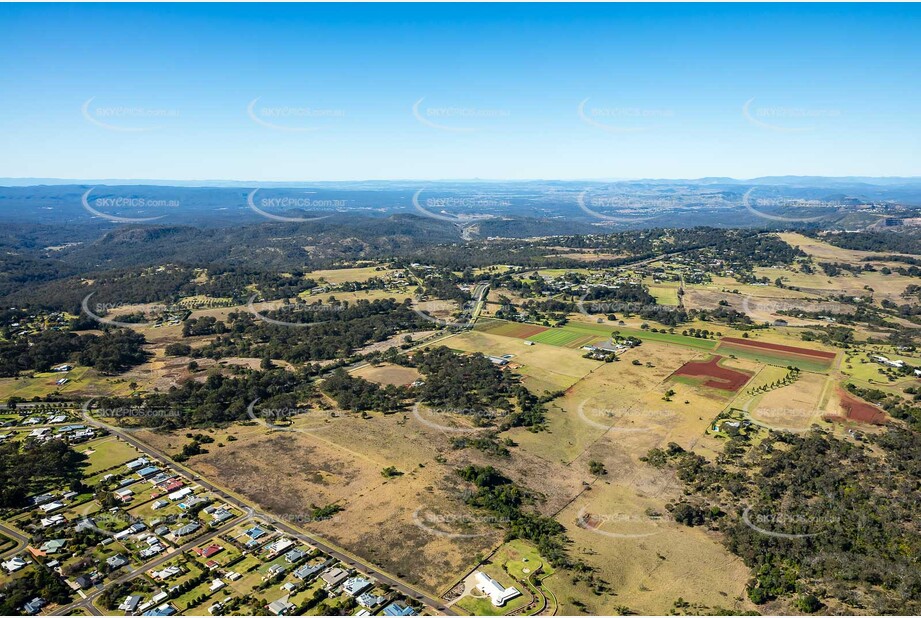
(494, 590)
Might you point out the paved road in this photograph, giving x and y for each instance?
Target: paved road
(21, 540)
(321, 544)
(87, 603)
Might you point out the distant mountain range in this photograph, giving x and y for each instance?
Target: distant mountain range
(475, 208)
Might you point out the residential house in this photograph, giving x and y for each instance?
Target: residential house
(14, 564)
(281, 607)
(117, 561)
(130, 603)
(370, 600)
(164, 610)
(34, 606)
(187, 529)
(396, 609)
(52, 546)
(354, 586)
(334, 576)
(494, 590)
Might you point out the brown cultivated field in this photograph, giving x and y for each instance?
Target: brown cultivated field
(809, 359)
(389, 374)
(511, 329)
(858, 410)
(795, 407)
(713, 374)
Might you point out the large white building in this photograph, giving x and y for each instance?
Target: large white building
(494, 590)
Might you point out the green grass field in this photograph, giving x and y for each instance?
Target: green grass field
(107, 453)
(570, 334)
(562, 337)
(775, 358)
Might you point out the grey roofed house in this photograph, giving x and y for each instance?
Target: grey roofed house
(53, 546)
(130, 603)
(34, 606)
(307, 570)
(85, 581)
(294, 555)
(280, 607)
(221, 514)
(188, 529)
(160, 478)
(117, 561)
(194, 500)
(369, 599)
(161, 531)
(42, 499)
(355, 585)
(334, 576)
(151, 551)
(137, 463)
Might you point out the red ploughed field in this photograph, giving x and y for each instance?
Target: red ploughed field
(777, 347)
(714, 375)
(858, 410)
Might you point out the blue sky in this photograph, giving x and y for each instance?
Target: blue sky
(332, 92)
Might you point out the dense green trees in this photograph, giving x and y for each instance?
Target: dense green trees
(335, 330)
(812, 513)
(112, 352)
(28, 467)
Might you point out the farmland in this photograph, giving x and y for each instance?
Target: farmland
(777, 354)
(383, 483)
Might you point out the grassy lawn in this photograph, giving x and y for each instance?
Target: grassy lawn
(40, 384)
(774, 358)
(664, 293)
(512, 564)
(341, 275)
(108, 453)
(604, 331)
